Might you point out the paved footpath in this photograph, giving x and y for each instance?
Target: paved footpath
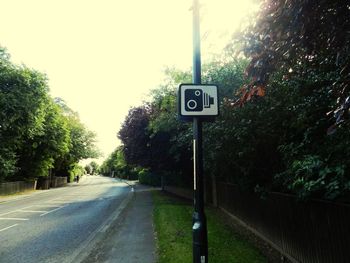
(130, 239)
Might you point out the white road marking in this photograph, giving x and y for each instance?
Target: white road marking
(31, 211)
(11, 212)
(104, 229)
(15, 211)
(25, 207)
(52, 210)
(8, 227)
(49, 205)
(58, 202)
(14, 218)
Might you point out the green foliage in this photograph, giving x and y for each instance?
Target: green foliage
(134, 136)
(36, 133)
(278, 142)
(311, 175)
(28, 114)
(305, 39)
(74, 171)
(81, 141)
(298, 51)
(92, 168)
(296, 81)
(88, 169)
(95, 167)
(148, 178)
(116, 165)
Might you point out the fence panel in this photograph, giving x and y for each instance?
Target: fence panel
(15, 187)
(45, 183)
(58, 181)
(313, 232)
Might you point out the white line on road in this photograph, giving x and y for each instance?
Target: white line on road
(59, 202)
(48, 205)
(25, 207)
(31, 211)
(11, 212)
(52, 210)
(14, 211)
(8, 227)
(14, 218)
(23, 197)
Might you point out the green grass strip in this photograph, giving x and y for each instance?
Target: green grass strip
(173, 224)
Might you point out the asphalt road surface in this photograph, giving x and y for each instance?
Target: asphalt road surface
(58, 224)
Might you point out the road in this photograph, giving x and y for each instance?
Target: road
(58, 224)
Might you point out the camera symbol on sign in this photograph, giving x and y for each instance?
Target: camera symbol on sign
(196, 100)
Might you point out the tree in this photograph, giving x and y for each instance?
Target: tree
(170, 140)
(274, 143)
(95, 167)
(135, 136)
(39, 154)
(37, 133)
(116, 165)
(32, 132)
(88, 169)
(81, 146)
(300, 39)
(298, 50)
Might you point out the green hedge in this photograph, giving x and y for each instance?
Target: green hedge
(146, 177)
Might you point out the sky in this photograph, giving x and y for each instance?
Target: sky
(104, 56)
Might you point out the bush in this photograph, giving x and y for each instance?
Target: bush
(146, 177)
(76, 170)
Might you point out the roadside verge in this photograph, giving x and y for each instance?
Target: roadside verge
(173, 224)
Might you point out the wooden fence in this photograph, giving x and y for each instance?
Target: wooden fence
(16, 187)
(42, 183)
(315, 231)
(54, 181)
(58, 181)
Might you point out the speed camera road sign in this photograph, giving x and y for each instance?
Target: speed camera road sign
(198, 100)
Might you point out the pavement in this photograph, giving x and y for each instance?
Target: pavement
(131, 237)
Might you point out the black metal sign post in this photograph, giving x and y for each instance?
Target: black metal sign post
(198, 103)
(199, 229)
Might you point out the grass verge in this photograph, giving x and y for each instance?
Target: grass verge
(173, 224)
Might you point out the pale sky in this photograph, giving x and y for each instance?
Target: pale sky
(104, 56)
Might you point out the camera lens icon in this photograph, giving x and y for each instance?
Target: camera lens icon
(191, 104)
(197, 100)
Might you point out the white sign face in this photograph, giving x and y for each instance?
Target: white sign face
(198, 100)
